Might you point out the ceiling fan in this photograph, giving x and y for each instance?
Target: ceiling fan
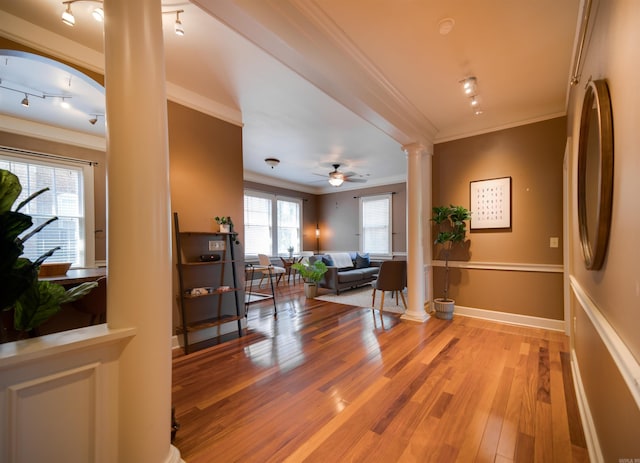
(336, 178)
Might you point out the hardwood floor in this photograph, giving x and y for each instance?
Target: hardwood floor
(327, 382)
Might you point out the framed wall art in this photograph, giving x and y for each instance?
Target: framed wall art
(490, 203)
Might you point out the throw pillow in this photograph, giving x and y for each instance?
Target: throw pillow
(363, 260)
(328, 261)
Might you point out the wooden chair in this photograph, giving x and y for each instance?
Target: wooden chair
(270, 269)
(392, 276)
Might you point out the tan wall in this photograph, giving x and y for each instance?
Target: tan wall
(532, 155)
(338, 216)
(309, 210)
(614, 291)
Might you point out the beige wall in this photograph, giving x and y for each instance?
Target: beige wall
(608, 317)
(338, 216)
(532, 155)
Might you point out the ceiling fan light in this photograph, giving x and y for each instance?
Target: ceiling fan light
(336, 178)
(336, 181)
(67, 16)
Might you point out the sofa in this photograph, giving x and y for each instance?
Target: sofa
(346, 270)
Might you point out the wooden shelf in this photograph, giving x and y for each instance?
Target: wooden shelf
(201, 311)
(208, 323)
(213, 293)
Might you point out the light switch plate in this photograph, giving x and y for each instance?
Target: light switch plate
(553, 242)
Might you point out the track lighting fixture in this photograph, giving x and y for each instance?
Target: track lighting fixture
(98, 14)
(177, 27)
(94, 118)
(67, 16)
(469, 86)
(470, 89)
(34, 93)
(70, 20)
(272, 162)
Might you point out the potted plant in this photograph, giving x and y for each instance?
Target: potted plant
(290, 249)
(311, 274)
(226, 224)
(32, 301)
(451, 230)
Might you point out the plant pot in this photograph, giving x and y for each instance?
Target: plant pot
(310, 290)
(225, 228)
(444, 308)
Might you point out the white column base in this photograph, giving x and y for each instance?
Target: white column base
(174, 455)
(416, 317)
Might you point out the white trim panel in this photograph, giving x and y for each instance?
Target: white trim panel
(625, 361)
(55, 417)
(590, 433)
(505, 266)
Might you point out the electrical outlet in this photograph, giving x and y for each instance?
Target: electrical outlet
(553, 242)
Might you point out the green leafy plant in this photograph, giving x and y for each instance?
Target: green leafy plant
(451, 229)
(33, 301)
(311, 273)
(224, 221)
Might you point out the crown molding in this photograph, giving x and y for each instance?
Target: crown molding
(47, 132)
(443, 139)
(290, 31)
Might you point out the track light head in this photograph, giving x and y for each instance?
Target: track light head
(25, 101)
(67, 15)
(469, 86)
(98, 14)
(179, 30)
(93, 120)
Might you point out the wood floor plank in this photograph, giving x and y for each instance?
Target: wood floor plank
(328, 382)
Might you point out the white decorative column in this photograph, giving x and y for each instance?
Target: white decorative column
(139, 226)
(415, 223)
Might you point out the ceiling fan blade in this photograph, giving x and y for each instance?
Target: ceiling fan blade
(355, 180)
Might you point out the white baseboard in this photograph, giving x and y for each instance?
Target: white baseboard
(513, 319)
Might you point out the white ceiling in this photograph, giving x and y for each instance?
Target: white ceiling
(321, 81)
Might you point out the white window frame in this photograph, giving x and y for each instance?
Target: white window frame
(87, 229)
(389, 198)
(274, 219)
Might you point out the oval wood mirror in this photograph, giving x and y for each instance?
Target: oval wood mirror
(595, 173)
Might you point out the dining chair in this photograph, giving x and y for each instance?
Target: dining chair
(269, 270)
(392, 276)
